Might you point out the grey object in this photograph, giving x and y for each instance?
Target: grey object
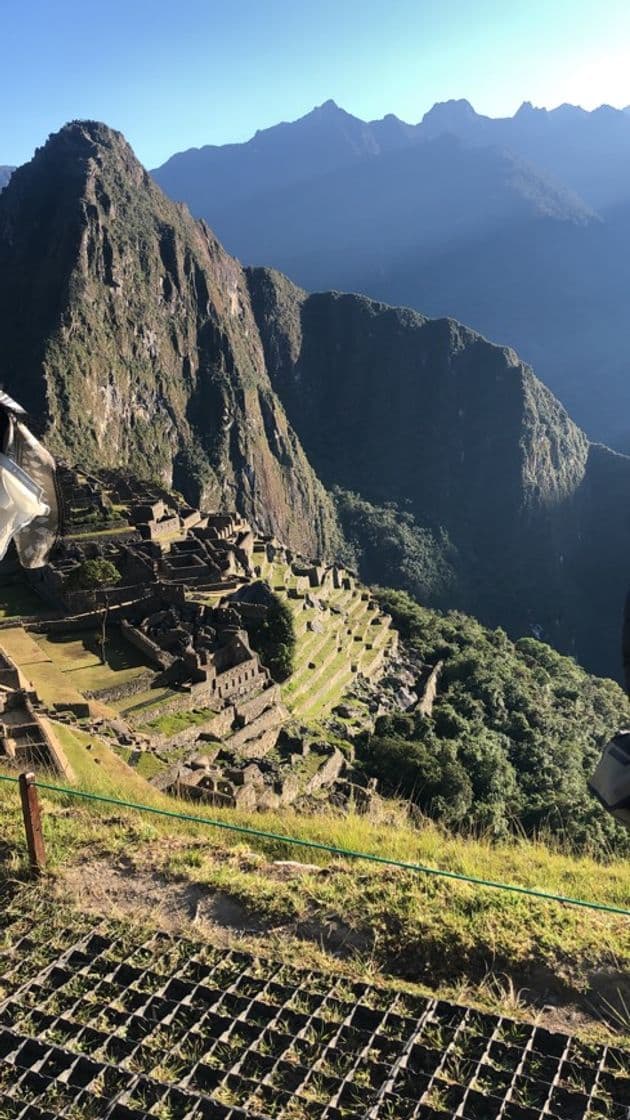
(29, 508)
(611, 781)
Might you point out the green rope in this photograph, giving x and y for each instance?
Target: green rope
(316, 844)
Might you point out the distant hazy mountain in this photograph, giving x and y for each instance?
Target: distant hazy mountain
(323, 140)
(589, 151)
(518, 226)
(422, 196)
(5, 174)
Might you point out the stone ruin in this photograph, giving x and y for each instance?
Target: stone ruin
(170, 556)
(300, 771)
(25, 742)
(201, 647)
(158, 541)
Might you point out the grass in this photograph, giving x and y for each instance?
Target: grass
(308, 692)
(62, 668)
(70, 653)
(98, 768)
(114, 531)
(21, 647)
(136, 707)
(52, 686)
(172, 722)
(148, 765)
(419, 928)
(96, 678)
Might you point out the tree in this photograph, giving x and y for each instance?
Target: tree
(273, 638)
(515, 732)
(90, 575)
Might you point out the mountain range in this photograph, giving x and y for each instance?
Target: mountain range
(518, 226)
(134, 338)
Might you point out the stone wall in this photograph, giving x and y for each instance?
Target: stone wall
(330, 769)
(150, 649)
(123, 691)
(269, 718)
(429, 696)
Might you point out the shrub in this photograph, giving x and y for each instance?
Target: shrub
(90, 575)
(515, 733)
(273, 638)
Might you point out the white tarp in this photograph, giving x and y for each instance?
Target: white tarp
(29, 510)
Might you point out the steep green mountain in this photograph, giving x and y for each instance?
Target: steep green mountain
(515, 732)
(127, 332)
(459, 433)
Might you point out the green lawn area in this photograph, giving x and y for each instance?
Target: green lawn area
(148, 765)
(172, 722)
(100, 769)
(77, 656)
(114, 531)
(21, 647)
(70, 652)
(63, 667)
(97, 677)
(51, 685)
(137, 707)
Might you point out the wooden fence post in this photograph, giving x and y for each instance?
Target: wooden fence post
(32, 824)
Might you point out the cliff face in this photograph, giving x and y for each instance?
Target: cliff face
(127, 331)
(426, 412)
(424, 409)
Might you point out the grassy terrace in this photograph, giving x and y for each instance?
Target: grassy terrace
(172, 722)
(311, 693)
(64, 667)
(478, 944)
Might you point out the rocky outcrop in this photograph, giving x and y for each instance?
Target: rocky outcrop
(128, 332)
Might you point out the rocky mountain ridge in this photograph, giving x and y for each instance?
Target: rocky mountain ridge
(128, 333)
(559, 140)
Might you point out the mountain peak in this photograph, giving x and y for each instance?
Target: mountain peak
(85, 135)
(454, 113)
(526, 108)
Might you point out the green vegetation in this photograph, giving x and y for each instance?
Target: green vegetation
(393, 550)
(515, 732)
(273, 638)
(463, 941)
(172, 722)
(89, 575)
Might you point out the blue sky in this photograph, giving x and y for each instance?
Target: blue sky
(176, 75)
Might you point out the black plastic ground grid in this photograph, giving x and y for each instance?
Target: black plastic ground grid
(113, 1027)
